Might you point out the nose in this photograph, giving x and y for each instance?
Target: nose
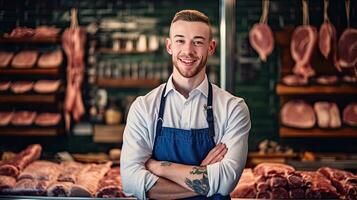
(189, 48)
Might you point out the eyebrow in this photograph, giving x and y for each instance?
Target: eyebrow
(196, 37)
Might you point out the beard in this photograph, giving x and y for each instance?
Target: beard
(191, 73)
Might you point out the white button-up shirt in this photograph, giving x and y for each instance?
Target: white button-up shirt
(231, 123)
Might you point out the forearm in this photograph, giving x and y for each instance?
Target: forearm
(193, 178)
(166, 189)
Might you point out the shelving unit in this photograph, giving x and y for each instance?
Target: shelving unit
(31, 98)
(317, 132)
(312, 93)
(315, 89)
(33, 131)
(33, 71)
(31, 40)
(28, 98)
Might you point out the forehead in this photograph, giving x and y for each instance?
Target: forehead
(189, 29)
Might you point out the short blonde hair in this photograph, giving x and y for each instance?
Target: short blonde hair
(192, 16)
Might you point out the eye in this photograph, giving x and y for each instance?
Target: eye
(180, 41)
(197, 43)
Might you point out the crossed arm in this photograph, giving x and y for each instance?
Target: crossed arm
(182, 181)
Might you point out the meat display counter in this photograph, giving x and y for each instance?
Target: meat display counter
(56, 198)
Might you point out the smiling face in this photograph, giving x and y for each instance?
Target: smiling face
(190, 44)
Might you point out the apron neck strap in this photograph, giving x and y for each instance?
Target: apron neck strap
(210, 118)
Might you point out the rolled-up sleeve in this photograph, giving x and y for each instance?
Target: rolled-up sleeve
(136, 150)
(223, 176)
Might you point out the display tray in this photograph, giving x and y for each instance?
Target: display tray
(56, 198)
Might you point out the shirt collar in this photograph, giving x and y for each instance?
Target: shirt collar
(203, 87)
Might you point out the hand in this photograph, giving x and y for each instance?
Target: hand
(215, 155)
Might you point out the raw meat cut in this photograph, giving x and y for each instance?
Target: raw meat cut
(297, 193)
(24, 59)
(264, 195)
(19, 87)
(260, 36)
(5, 85)
(5, 58)
(298, 114)
(327, 39)
(350, 114)
(30, 187)
(295, 180)
(279, 193)
(335, 119)
(23, 118)
(319, 187)
(272, 169)
(88, 180)
(48, 119)
(110, 186)
(347, 48)
(14, 166)
(345, 182)
(294, 80)
(303, 43)
(41, 170)
(328, 115)
(59, 189)
(327, 80)
(5, 118)
(20, 32)
(46, 31)
(70, 170)
(246, 187)
(50, 59)
(73, 42)
(278, 181)
(6, 182)
(46, 86)
(349, 79)
(262, 40)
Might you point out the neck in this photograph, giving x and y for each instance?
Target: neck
(185, 85)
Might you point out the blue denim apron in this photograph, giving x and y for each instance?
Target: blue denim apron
(187, 147)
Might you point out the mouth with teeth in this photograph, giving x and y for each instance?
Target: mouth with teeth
(187, 61)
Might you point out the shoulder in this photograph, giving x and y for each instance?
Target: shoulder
(226, 99)
(150, 100)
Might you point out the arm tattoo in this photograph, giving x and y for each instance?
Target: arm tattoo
(165, 163)
(200, 186)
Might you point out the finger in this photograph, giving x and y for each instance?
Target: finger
(213, 157)
(219, 157)
(211, 153)
(219, 150)
(216, 148)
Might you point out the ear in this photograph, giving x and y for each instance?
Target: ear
(212, 47)
(168, 45)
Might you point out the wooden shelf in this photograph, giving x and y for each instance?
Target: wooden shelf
(24, 131)
(30, 71)
(127, 83)
(111, 51)
(31, 40)
(108, 133)
(271, 155)
(316, 132)
(317, 89)
(28, 98)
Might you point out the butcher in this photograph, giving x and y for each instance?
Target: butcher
(187, 138)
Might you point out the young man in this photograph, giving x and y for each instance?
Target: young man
(186, 138)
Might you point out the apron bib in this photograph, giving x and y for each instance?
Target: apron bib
(187, 147)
